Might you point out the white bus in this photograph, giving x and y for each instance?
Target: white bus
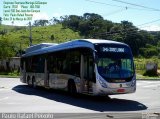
(86, 66)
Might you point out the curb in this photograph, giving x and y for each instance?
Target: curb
(148, 79)
(2, 76)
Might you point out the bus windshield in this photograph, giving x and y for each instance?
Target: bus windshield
(116, 64)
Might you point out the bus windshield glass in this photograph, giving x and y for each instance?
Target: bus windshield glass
(115, 62)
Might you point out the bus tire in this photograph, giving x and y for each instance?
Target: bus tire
(72, 88)
(28, 81)
(33, 82)
(107, 97)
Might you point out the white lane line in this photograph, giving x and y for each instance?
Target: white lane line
(5, 98)
(150, 86)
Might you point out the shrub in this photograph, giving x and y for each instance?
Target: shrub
(150, 73)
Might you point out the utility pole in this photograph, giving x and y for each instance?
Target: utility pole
(30, 36)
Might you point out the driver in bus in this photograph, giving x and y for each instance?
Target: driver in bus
(115, 66)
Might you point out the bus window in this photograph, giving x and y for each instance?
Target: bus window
(40, 64)
(72, 63)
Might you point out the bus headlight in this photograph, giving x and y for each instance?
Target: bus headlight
(103, 84)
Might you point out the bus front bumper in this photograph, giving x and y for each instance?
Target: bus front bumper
(114, 91)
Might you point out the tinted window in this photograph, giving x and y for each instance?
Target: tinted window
(115, 61)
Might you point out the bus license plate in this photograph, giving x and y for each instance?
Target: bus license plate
(121, 90)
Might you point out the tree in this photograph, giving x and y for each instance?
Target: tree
(3, 32)
(52, 37)
(6, 50)
(149, 51)
(40, 22)
(71, 21)
(131, 36)
(92, 25)
(54, 20)
(87, 25)
(92, 16)
(0, 20)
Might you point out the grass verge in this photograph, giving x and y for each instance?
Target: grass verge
(14, 74)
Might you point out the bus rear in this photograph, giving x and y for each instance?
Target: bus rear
(115, 73)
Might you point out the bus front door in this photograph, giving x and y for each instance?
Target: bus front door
(87, 72)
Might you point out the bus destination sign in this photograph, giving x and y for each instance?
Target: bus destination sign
(112, 49)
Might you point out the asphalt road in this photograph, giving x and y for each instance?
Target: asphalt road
(17, 97)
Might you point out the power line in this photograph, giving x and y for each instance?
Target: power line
(120, 31)
(104, 3)
(111, 13)
(113, 5)
(149, 22)
(133, 4)
(115, 12)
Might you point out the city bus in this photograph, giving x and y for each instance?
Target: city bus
(85, 66)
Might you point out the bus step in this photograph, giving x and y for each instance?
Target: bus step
(86, 92)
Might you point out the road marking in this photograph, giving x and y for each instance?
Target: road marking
(4, 98)
(145, 84)
(152, 85)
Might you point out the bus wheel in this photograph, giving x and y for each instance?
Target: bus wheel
(72, 88)
(33, 82)
(107, 97)
(28, 81)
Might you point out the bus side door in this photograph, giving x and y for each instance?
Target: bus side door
(46, 73)
(88, 71)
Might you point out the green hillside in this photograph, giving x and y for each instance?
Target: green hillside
(17, 37)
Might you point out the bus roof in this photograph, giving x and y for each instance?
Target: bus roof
(79, 43)
(39, 46)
